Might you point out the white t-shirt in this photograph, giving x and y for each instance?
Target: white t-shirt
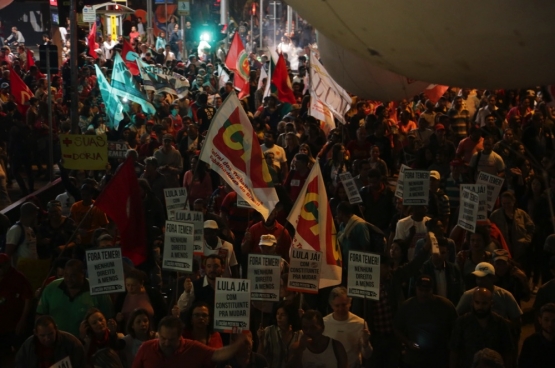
(223, 249)
(279, 154)
(67, 201)
(491, 164)
(349, 333)
(27, 248)
(402, 231)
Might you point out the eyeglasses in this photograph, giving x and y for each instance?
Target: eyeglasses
(200, 315)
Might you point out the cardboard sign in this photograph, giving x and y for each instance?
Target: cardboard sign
(401, 181)
(304, 270)
(84, 152)
(232, 305)
(64, 363)
(468, 212)
(178, 247)
(481, 190)
(416, 187)
(176, 199)
(105, 271)
(364, 275)
(117, 149)
(264, 273)
(196, 218)
(350, 188)
(494, 184)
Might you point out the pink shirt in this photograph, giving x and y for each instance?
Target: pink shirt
(467, 148)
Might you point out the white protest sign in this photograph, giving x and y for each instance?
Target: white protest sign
(232, 305)
(264, 273)
(304, 270)
(178, 247)
(494, 184)
(481, 190)
(196, 218)
(176, 199)
(350, 187)
(64, 363)
(105, 271)
(416, 187)
(400, 181)
(364, 275)
(468, 212)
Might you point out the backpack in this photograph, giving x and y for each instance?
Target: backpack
(19, 241)
(377, 240)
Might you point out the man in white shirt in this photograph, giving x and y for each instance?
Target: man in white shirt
(214, 245)
(412, 228)
(485, 111)
(168, 54)
(487, 160)
(280, 160)
(471, 102)
(347, 328)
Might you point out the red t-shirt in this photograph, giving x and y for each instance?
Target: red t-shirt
(215, 340)
(190, 353)
(294, 183)
(238, 217)
(15, 289)
(281, 234)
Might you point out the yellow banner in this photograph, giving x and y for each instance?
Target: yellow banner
(84, 152)
(114, 27)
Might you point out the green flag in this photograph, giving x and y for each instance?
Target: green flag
(126, 87)
(114, 108)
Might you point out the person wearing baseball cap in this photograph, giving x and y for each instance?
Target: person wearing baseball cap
(213, 244)
(509, 276)
(504, 303)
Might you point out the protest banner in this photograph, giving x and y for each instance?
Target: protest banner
(481, 190)
(117, 149)
(178, 247)
(416, 187)
(401, 181)
(232, 305)
(364, 275)
(64, 363)
(468, 212)
(84, 152)
(196, 218)
(493, 184)
(350, 188)
(105, 271)
(176, 199)
(304, 270)
(264, 273)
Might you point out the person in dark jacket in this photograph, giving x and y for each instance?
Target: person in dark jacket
(538, 350)
(378, 201)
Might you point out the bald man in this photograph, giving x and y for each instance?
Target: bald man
(481, 328)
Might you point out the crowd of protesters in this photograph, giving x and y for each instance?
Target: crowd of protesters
(460, 307)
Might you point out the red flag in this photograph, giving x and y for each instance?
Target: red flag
(92, 41)
(281, 85)
(237, 61)
(121, 201)
(435, 91)
(30, 62)
(21, 93)
(129, 55)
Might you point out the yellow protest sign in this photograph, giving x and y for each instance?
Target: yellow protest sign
(84, 152)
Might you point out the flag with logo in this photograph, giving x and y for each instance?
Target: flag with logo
(129, 57)
(30, 61)
(20, 91)
(281, 84)
(125, 86)
(235, 153)
(92, 41)
(114, 108)
(237, 61)
(159, 80)
(311, 217)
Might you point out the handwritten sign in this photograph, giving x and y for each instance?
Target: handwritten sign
(350, 187)
(264, 273)
(401, 181)
(481, 190)
(178, 247)
(64, 363)
(105, 271)
(304, 270)
(196, 218)
(364, 275)
(232, 305)
(468, 212)
(494, 184)
(176, 199)
(84, 152)
(416, 187)
(117, 149)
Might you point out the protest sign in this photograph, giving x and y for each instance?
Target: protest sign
(481, 190)
(400, 181)
(196, 218)
(350, 188)
(242, 203)
(264, 273)
(176, 199)
(304, 270)
(178, 247)
(493, 184)
(232, 305)
(105, 271)
(468, 212)
(117, 149)
(364, 275)
(64, 363)
(416, 187)
(84, 152)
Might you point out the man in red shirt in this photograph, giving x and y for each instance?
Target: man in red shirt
(296, 178)
(171, 350)
(270, 226)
